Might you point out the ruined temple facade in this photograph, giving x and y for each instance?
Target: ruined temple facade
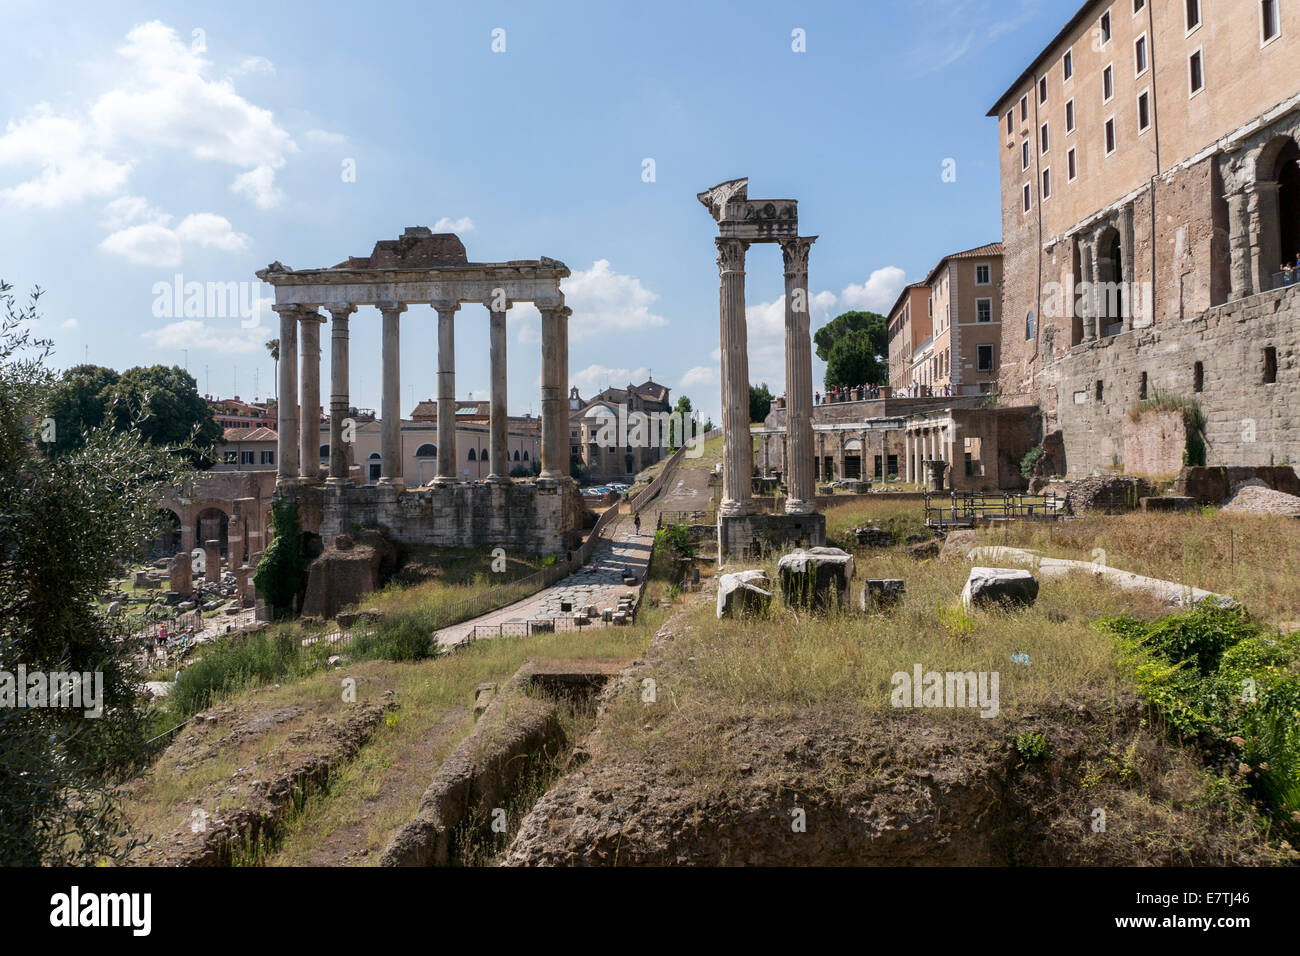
(1150, 194)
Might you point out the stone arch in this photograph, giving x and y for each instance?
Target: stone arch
(1111, 298)
(168, 540)
(1278, 168)
(211, 521)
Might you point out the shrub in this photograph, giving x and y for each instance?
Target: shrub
(1219, 676)
(1029, 463)
(279, 575)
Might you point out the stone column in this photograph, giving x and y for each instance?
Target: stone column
(738, 447)
(339, 400)
(212, 560)
(391, 412)
(1262, 223)
(798, 378)
(498, 461)
(555, 389)
(235, 538)
(1088, 263)
(446, 392)
(1130, 297)
(287, 412)
(907, 455)
(1239, 244)
(309, 415)
(839, 456)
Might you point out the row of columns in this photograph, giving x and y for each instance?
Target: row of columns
(299, 388)
(922, 445)
(738, 445)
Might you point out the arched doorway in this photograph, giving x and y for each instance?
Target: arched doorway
(375, 467)
(211, 523)
(853, 458)
(1076, 296)
(168, 541)
(1286, 172)
(1111, 294)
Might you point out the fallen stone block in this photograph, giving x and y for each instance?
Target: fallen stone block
(871, 537)
(992, 587)
(880, 594)
(817, 578)
(744, 592)
(1169, 503)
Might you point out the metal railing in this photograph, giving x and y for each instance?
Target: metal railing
(964, 509)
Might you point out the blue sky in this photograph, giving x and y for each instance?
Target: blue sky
(135, 149)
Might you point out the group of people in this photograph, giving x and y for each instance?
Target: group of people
(1291, 272)
(916, 390)
(858, 393)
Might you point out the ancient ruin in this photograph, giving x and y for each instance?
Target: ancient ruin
(742, 221)
(423, 268)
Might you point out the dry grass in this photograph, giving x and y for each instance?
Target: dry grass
(860, 510)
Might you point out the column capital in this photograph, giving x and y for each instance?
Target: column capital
(731, 255)
(386, 306)
(293, 308)
(340, 312)
(306, 317)
(795, 254)
(445, 305)
(490, 303)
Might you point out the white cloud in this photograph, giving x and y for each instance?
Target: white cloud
(69, 324)
(193, 334)
(446, 224)
(254, 64)
(596, 378)
(143, 234)
(164, 99)
(323, 137)
(699, 376)
(604, 301)
(877, 294)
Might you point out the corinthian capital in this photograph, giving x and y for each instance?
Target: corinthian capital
(795, 253)
(731, 255)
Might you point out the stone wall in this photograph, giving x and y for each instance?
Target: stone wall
(536, 518)
(1154, 443)
(1249, 420)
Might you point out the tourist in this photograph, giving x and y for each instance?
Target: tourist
(1288, 274)
(636, 523)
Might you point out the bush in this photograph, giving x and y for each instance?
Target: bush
(233, 665)
(1219, 676)
(280, 573)
(1030, 462)
(399, 637)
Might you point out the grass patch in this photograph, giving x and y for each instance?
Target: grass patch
(903, 518)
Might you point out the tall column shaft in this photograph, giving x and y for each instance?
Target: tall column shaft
(498, 463)
(1091, 300)
(447, 458)
(309, 408)
(798, 379)
(287, 409)
(555, 390)
(340, 402)
(738, 447)
(391, 434)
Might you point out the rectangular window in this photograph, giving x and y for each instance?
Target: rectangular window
(1067, 66)
(1107, 84)
(1100, 390)
(1268, 28)
(1110, 136)
(1138, 5)
(1140, 55)
(1144, 111)
(1195, 73)
(1193, 14)
(1043, 139)
(245, 457)
(1071, 165)
(1042, 90)
(1024, 155)
(1142, 387)
(1105, 28)
(1198, 377)
(984, 358)
(983, 274)
(1011, 122)
(268, 458)
(1047, 183)
(983, 310)
(970, 465)
(1024, 108)
(1270, 365)
(1028, 197)
(1069, 117)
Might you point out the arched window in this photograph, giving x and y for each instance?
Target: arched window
(516, 454)
(525, 454)
(482, 454)
(427, 450)
(472, 456)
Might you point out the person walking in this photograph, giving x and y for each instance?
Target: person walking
(636, 523)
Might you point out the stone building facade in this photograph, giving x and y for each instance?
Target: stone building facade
(1149, 184)
(626, 456)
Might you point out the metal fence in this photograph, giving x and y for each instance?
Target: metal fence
(667, 518)
(966, 509)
